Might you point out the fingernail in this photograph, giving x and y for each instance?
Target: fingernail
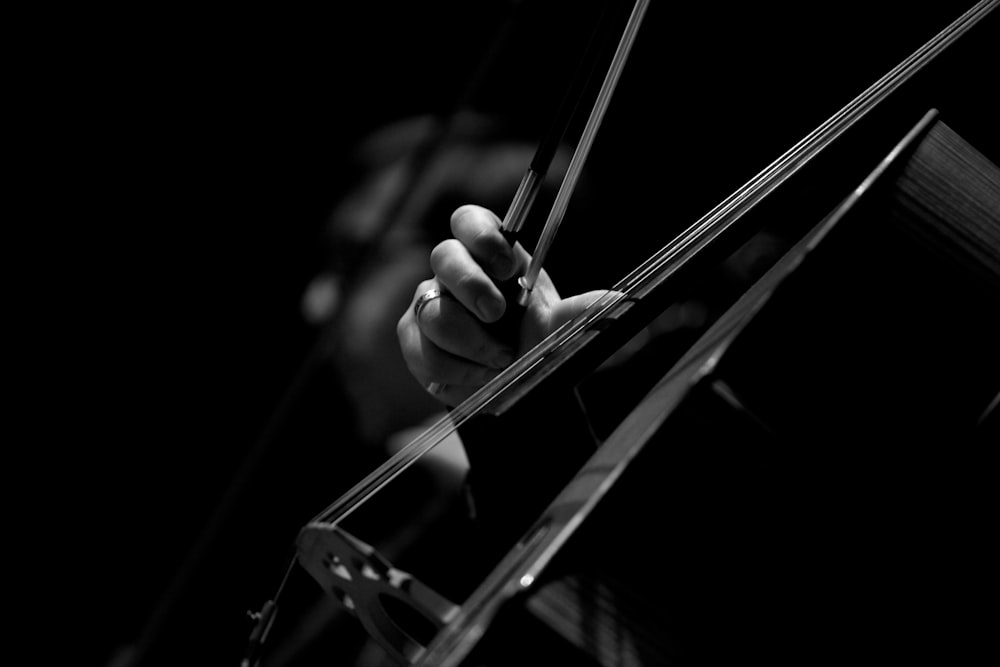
(490, 309)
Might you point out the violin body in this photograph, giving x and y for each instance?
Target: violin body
(810, 482)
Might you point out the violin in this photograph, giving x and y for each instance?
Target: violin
(693, 519)
(537, 583)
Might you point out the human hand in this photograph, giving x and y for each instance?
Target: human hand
(447, 344)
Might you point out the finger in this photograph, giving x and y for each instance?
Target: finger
(445, 369)
(570, 307)
(478, 229)
(447, 324)
(463, 277)
(429, 363)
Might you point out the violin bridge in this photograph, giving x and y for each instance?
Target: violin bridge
(399, 612)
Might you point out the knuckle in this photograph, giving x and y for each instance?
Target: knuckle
(467, 217)
(443, 254)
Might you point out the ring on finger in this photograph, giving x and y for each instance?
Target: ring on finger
(423, 300)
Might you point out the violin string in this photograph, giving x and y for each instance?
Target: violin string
(475, 404)
(687, 243)
(710, 226)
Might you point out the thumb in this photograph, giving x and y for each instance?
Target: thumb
(572, 306)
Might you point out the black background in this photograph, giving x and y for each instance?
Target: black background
(180, 163)
(185, 161)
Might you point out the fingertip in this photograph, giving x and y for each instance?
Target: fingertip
(490, 309)
(478, 228)
(469, 213)
(461, 211)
